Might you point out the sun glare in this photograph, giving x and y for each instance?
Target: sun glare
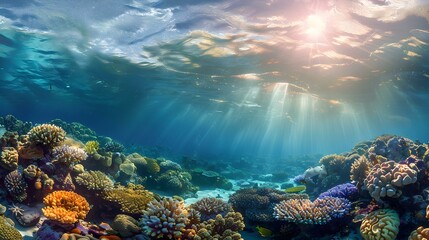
(315, 26)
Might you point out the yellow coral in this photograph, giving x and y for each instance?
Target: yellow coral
(46, 134)
(65, 207)
(131, 199)
(420, 233)
(9, 158)
(7, 231)
(381, 224)
(91, 147)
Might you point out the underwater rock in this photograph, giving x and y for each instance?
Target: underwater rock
(25, 215)
(213, 179)
(126, 225)
(14, 125)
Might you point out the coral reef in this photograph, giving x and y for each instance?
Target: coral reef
(382, 224)
(320, 211)
(209, 207)
(65, 207)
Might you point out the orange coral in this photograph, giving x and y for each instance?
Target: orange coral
(65, 207)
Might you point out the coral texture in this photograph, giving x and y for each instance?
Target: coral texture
(227, 227)
(68, 154)
(126, 225)
(16, 185)
(360, 170)
(346, 190)
(166, 219)
(65, 207)
(381, 224)
(9, 158)
(320, 211)
(131, 199)
(91, 147)
(94, 180)
(386, 179)
(209, 207)
(47, 135)
(7, 231)
(420, 233)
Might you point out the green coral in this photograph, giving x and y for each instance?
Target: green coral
(7, 230)
(91, 147)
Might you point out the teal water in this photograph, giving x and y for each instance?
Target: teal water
(259, 79)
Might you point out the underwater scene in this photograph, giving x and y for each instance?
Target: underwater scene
(214, 119)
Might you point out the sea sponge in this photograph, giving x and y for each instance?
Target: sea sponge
(7, 231)
(91, 147)
(94, 180)
(227, 227)
(382, 224)
(16, 185)
(420, 233)
(320, 211)
(65, 206)
(126, 225)
(9, 158)
(209, 207)
(360, 170)
(68, 155)
(131, 199)
(386, 179)
(46, 135)
(165, 219)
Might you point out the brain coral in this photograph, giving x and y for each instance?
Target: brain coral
(387, 178)
(165, 219)
(68, 155)
(65, 207)
(46, 134)
(320, 211)
(131, 199)
(381, 224)
(9, 158)
(94, 180)
(7, 231)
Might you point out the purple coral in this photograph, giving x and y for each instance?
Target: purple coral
(346, 190)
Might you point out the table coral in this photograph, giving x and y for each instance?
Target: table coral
(65, 207)
(7, 231)
(46, 134)
(386, 179)
(320, 211)
(166, 219)
(381, 224)
(9, 158)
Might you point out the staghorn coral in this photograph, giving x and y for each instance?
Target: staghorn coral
(9, 158)
(382, 224)
(16, 185)
(7, 230)
(126, 225)
(420, 233)
(320, 211)
(94, 180)
(387, 178)
(131, 199)
(360, 170)
(91, 147)
(68, 155)
(46, 135)
(227, 227)
(209, 207)
(65, 207)
(166, 219)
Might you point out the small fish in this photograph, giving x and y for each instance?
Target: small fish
(264, 232)
(296, 189)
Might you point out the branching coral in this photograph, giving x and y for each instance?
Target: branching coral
(47, 135)
(381, 224)
(166, 219)
(94, 180)
(209, 207)
(65, 207)
(16, 185)
(360, 170)
(68, 155)
(227, 227)
(9, 158)
(320, 211)
(387, 178)
(131, 199)
(91, 147)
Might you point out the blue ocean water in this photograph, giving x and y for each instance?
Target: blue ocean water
(220, 78)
